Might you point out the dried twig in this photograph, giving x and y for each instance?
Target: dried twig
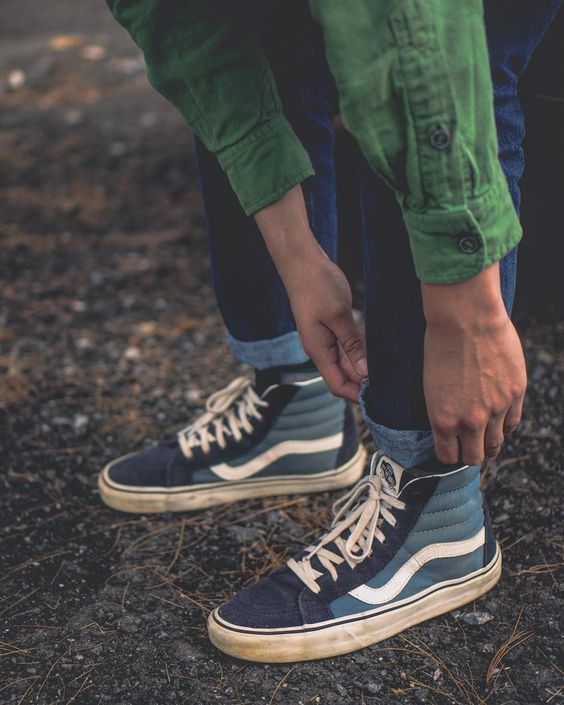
(280, 684)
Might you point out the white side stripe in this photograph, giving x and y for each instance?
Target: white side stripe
(240, 472)
(391, 589)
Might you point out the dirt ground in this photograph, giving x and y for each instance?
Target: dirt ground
(110, 338)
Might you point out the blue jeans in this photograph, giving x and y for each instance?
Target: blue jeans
(251, 297)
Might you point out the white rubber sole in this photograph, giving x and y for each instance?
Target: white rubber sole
(346, 634)
(146, 500)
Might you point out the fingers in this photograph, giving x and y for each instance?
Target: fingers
(347, 367)
(337, 381)
(455, 444)
(446, 447)
(323, 348)
(513, 416)
(472, 446)
(469, 442)
(493, 437)
(351, 341)
(337, 348)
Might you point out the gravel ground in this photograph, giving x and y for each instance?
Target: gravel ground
(109, 338)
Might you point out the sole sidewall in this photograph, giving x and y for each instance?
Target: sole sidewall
(338, 639)
(148, 502)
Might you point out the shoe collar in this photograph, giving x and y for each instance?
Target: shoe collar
(396, 478)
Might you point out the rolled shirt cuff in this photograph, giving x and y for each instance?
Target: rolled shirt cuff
(452, 245)
(266, 164)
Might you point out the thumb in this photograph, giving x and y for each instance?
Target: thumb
(352, 342)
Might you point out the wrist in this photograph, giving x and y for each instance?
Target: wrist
(285, 229)
(472, 305)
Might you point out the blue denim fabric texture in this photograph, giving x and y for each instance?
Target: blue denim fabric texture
(251, 296)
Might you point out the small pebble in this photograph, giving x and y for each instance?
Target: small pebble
(16, 79)
(373, 688)
(117, 149)
(84, 343)
(73, 117)
(244, 534)
(93, 52)
(132, 353)
(80, 421)
(341, 690)
(475, 619)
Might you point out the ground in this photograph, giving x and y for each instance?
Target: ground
(110, 338)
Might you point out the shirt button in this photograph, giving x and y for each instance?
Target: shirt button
(468, 244)
(440, 138)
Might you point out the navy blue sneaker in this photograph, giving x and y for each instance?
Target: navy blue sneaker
(280, 435)
(404, 546)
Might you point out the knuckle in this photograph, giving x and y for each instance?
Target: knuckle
(473, 421)
(498, 410)
(352, 344)
(510, 426)
(339, 314)
(444, 425)
(336, 389)
(493, 449)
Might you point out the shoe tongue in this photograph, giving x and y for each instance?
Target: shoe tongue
(394, 477)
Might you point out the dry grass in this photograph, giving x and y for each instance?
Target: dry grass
(464, 685)
(516, 639)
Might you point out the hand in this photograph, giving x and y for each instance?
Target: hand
(319, 294)
(321, 302)
(474, 369)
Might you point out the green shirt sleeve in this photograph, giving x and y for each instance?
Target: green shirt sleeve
(205, 58)
(415, 90)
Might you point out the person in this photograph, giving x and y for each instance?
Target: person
(441, 378)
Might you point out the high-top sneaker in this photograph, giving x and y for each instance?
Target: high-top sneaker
(404, 546)
(283, 435)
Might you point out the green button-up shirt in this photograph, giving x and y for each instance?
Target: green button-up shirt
(414, 89)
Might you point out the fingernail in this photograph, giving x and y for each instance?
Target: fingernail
(362, 367)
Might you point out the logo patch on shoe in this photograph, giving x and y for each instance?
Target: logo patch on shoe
(390, 473)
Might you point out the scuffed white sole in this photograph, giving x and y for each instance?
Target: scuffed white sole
(346, 634)
(146, 500)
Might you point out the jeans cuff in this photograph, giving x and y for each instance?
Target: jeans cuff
(276, 352)
(406, 447)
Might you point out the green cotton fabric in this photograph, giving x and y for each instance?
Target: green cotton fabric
(414, 89)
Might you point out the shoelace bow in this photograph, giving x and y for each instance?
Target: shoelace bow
(228, 413)
(363, 516)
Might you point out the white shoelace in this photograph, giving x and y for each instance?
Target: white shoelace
(228, 413)
(363, 516)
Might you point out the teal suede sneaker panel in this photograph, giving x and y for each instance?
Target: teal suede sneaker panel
(453, 513)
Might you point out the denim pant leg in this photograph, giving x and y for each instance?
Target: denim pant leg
(251, 296)
(393, 401)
